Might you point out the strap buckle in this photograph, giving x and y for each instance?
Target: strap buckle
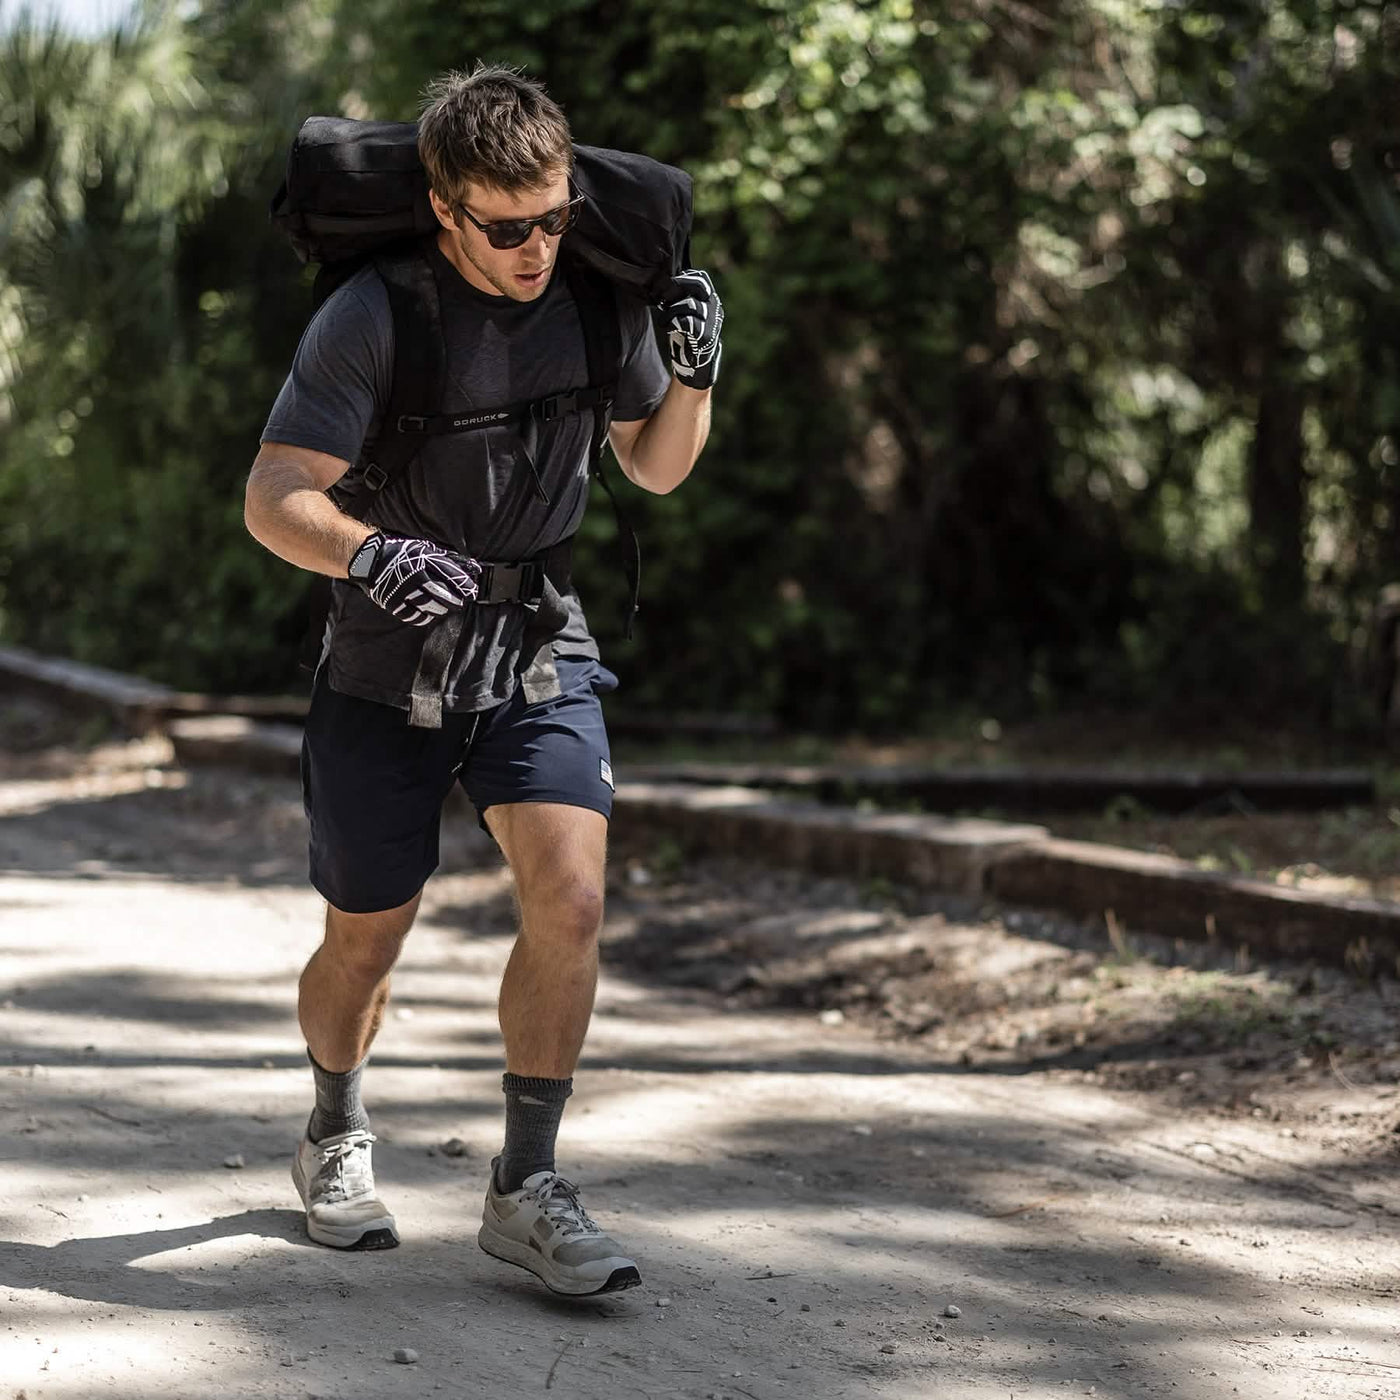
(411, 423)
(555, 406)
(511, 583)
(375, 477)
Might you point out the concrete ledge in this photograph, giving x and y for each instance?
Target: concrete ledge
(1171, 896)
(940, 852)
(138, 705)
(1034, 789)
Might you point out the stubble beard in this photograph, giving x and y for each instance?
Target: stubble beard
(502, 282)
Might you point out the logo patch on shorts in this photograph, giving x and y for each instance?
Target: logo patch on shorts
(605, 772)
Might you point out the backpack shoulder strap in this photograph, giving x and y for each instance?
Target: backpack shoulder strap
(598, 311)
(419, 373)
(420, 368)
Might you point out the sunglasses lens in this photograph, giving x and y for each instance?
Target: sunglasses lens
(508, 235)
(555, 222)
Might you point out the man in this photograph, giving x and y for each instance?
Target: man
(498, 155)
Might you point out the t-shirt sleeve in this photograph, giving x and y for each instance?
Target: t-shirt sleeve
(340, 377)
(645, 375)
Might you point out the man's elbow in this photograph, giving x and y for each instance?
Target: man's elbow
(252, 506)
(659, 483)
(260, 498)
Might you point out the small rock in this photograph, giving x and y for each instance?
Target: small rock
(952, 1310)
(1334, 1331)
(890, 1347)
(806, 1307)
(663, 1302)
(405, 1356)
(455, 1147)
(863, 1130)
(234, 1161)
(839, 1322)
(834, 1016)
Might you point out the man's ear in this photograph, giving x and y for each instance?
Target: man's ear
(445, 216)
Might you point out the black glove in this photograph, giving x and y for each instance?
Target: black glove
(694, 315)
(415, 580)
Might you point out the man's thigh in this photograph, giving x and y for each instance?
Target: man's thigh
(557, 854)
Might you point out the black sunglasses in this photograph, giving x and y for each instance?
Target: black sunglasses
(511, 233)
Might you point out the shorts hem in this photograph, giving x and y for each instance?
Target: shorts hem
(560, 799)
(366, 906)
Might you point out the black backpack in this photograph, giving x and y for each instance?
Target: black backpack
(356, 192)
(354, 188)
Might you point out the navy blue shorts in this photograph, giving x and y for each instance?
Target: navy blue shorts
(373, 786)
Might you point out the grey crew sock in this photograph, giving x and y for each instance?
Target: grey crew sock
(533, 1110)
(338, 1107)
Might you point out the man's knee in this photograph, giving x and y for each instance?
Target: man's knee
(567, 908)
(366, 946)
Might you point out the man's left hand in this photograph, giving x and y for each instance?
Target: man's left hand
(694, 315)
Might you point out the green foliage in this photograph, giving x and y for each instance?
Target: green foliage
(1060, 360)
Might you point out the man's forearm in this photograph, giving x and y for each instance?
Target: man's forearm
(668, 447)
(298, 522)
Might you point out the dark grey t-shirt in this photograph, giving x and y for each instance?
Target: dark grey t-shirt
(473, 491)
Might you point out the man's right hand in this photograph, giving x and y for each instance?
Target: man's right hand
(416, 581)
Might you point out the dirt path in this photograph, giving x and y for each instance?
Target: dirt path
(806, 1198)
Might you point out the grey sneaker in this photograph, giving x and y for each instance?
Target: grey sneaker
(335, 1180)
(543, 1227)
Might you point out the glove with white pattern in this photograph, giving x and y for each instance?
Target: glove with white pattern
(694, 315)
(416, 581)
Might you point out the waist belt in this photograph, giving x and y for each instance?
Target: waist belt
(537, 582)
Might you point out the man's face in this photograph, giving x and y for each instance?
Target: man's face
(521, 273)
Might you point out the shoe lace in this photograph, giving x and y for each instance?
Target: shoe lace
(558, 1198)
(345, 1170)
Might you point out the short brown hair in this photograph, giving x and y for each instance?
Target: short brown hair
(493, 127)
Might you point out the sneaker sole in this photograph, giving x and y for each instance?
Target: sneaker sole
(509, 1252)
(374, 1234)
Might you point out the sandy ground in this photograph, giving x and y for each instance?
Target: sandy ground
(809, 1195)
